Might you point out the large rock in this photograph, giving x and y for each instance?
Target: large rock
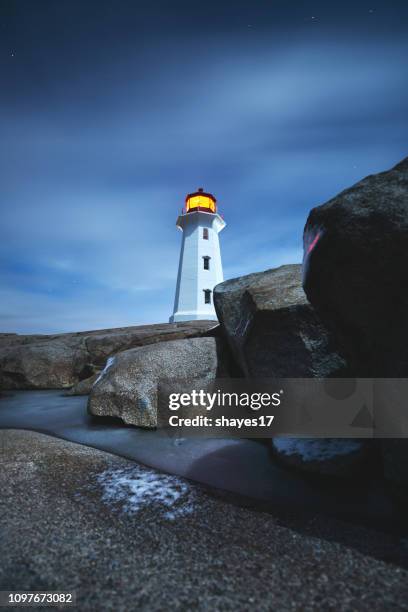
(355, 261)
(274, 332)
(60, 361)
(56, 363)
(272, 329)
(102, 345)
(128, 386)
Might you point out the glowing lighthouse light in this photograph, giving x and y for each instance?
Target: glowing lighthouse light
(200, 267)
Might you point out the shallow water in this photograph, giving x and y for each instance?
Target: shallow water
(240, 467)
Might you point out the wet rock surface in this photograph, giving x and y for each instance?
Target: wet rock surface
(126, 537)
(336, 457)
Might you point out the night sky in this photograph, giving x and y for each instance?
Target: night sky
(112, 111)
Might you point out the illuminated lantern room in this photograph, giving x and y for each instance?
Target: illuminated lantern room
(201, 201)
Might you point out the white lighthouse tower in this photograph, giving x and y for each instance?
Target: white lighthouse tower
(200, 267)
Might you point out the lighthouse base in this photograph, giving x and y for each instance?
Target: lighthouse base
(192, 316)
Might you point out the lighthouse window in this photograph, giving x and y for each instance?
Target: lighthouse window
(205, 233)
(206, 261)
(207, 296)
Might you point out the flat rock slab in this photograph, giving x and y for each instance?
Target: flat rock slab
(126, 537)
(240, 467)
(62, 360)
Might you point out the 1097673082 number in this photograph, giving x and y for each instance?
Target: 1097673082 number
(35, 598)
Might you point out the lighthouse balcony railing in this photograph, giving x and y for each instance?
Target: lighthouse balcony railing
(184, 211)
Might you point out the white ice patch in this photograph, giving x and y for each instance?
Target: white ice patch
(135, 487)
(315, 449)
(109, 363)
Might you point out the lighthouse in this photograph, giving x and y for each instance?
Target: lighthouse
(200, 267)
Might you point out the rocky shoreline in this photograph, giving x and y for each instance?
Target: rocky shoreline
(114, 533)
